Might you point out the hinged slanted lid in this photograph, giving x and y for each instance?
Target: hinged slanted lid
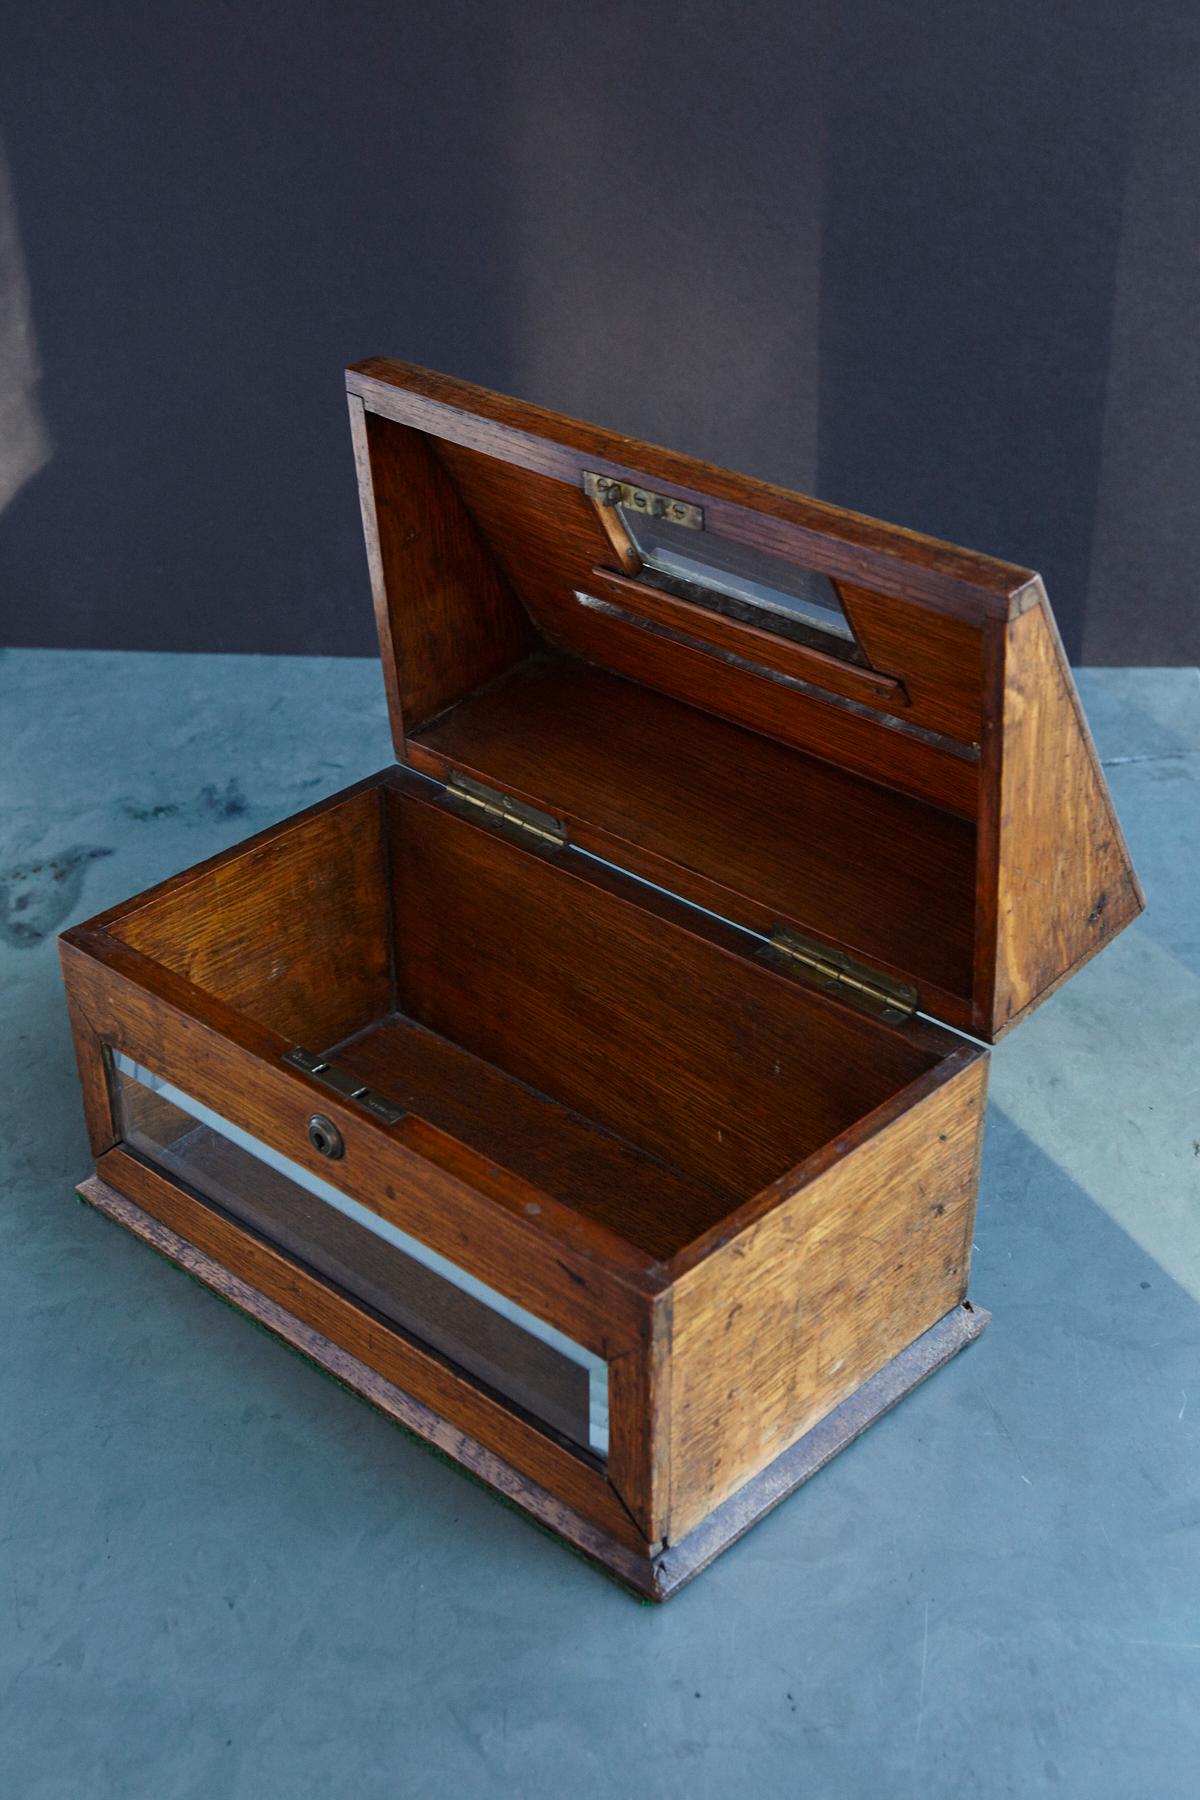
(859, 743)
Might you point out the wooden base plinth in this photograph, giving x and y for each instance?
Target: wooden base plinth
(654, 1577)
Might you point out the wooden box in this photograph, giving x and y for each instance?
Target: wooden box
(590, 1089)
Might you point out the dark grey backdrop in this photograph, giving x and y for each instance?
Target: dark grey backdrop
(940, 263)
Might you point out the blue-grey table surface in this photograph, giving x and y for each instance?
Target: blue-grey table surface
(221, 1577)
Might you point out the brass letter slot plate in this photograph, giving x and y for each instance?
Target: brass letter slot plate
(345, 1086)
(608, 491)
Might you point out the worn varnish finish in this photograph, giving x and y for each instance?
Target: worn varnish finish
(1080, 885)
(748, 1192)
(775, 1328)
(563, 1153)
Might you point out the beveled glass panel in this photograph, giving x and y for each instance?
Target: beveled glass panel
(481, 1331)
(752, 579)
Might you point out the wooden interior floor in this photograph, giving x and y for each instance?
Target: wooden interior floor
(580, 1163)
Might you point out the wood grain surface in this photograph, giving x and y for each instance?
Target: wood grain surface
(777, 1326)
(1064, 882)
(843, 544)
(713, 1061)
(448, 619)
(758, 832)
(946, 671)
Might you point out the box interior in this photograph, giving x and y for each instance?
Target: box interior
(832, 790)
(539, 1011)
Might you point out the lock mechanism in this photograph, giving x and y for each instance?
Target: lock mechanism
(325, 1137)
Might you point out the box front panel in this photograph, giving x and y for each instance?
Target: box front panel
(500, 1344)
(532, 1396)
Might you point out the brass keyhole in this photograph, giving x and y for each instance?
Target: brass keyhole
(324, 1136)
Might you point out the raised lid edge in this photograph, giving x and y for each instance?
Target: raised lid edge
(924, 568)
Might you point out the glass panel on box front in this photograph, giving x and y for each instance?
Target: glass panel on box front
(750, 581)
(490, 1337)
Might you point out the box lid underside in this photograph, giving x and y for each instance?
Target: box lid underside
(786, 712)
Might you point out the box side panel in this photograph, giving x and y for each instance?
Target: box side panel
(784, 1322)
(615, 1550)
(1052, 855)
(293, 931)
(89, 1050)
(200, 1048)
(448, 620)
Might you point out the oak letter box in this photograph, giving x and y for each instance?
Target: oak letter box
(599, 1090)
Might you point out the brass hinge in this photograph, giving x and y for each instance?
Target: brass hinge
(503, 810)
(859, 985)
